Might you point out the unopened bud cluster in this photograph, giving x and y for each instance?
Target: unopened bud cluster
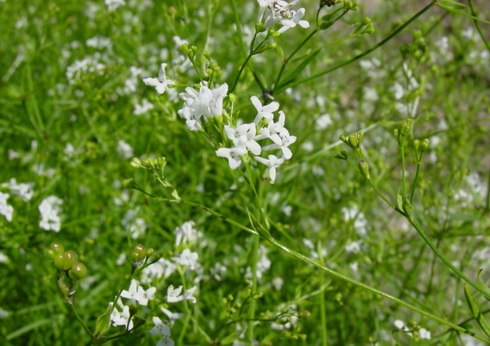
(139, 254)
(353, 140)
(403, 132)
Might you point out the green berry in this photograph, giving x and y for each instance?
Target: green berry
(70, 258)
(139, 253)
(55, 249)
(78, 271)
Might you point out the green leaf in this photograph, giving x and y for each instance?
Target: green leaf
(299, 68)
(451, 5)
(399, 200)
(479, 317)
(482, 286)
(102, 325)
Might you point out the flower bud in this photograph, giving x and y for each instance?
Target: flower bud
(55, 249)
(149, 252)
(139, 253)
(425, 145)
(342, 155)
(78, 271)
(364, 168)
(416, 144)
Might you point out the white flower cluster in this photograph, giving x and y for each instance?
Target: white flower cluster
(203, 103)
(245, 137)
(186, 233)
(114, 4)
(99, 42)
(423, 333)
(24, 190)
(88, 65)
(50, 208)
(138, 293)
(6, 209)
(273, 12)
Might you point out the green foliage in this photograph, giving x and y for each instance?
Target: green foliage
(388, 223)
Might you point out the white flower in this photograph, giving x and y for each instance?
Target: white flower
(282, 141)
(205, 103)
(121, 318)
(124, 149)
(24, 190)
(186, 233)
(244, 137)
(161, 329)
(295, 20)
(6, 209)
(353, 247)
(264, 112)
(161, 82)
(273, 12)
(399, 324)
(49, 209)
(187, 258)
(233, 155)
(171, 316)
(163, 268)
(114, 4)
(424, 334)
(323, 121)
(144, 107)
(272, 162)
(173, 295)
(137, 293)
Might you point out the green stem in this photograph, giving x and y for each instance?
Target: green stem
(323, 311)
(366, 52)
(442, 256)
(477, 25)
(251, 315)
(81, 321)
(288, 59)
(249, 56)
(487, 205)
(402, 154)
(238, 26)
(371, 289)
(383, 197)
(412, 189)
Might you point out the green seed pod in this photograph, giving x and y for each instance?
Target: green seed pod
(139, 253)
(364, 168)
(58, 261)
(55, 249)
(78, 271)
(69, 259)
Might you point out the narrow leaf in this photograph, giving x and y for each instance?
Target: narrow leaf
(479, 317)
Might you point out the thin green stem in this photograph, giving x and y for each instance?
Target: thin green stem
(477, 25)
(238, 26)
(363, 54)
(372, 289)
(402, 154)
(251, 314)
(412, 188)
(81, 321)
(249, 56)
(288, 59)
(381, 195)
(487, 204)
(323, 310)
(442, 256)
